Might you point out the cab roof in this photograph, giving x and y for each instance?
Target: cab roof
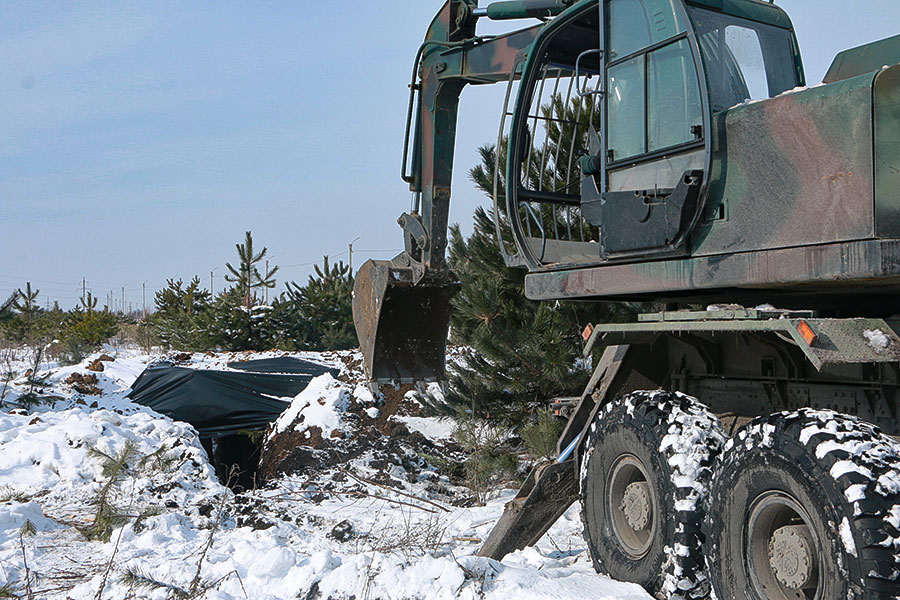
(754, 10)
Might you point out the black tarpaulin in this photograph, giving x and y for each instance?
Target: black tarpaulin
(219, 403)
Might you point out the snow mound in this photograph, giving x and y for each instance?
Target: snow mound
(319, 405)
(60, 454)
(371, 521)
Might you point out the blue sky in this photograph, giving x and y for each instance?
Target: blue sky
(138, 141)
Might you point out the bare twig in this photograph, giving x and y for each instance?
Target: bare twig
(356, 495)
(28, 593)
(226, 576)
(362, 479)
(195, 582)
(112, 556)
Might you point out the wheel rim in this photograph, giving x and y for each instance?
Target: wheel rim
(782, 553)
(631, 505)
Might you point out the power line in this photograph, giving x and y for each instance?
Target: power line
(314, 262)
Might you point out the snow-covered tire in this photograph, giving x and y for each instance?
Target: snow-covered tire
(649, 450)
(805, 504)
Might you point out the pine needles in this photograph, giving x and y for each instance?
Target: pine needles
(115, 469)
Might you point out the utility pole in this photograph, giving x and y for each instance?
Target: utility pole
(350, 254)
(83, 289)
(122, 307)
(267, 275)
(144, 299)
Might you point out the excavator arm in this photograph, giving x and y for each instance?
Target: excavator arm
(401, 307)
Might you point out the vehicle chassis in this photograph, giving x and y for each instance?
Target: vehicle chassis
(741, 363)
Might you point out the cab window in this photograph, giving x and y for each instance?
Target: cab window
(744, 60)
(653, 95)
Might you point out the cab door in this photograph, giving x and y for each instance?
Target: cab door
(652, 151)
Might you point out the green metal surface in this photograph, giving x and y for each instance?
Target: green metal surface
(792, 171)
(886, 102)
(839, 341)
(825, 277)
(755, 10)
(864, 59)
(524, 9)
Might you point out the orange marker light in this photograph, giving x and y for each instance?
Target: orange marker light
(588, 330)
(806, 332)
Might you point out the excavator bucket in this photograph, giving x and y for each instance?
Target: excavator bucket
(402, 327)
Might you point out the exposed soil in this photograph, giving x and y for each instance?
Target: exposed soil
(382, 442)
(84, 383)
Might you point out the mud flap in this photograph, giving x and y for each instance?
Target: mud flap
(549, 490)
(402, 328)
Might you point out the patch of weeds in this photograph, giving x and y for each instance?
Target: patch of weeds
(151, 511)
(27, 529)
(159, 460)
(8, 494)
(137, 579)
(541, 435)
(489, 460)
(410, 538)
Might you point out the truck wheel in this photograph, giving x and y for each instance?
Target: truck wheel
(643, 478)
(805, 505)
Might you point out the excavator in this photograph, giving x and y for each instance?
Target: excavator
(739, 439)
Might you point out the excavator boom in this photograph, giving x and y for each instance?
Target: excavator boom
(401, 307)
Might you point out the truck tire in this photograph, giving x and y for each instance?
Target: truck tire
(805, 505)
(643, 479)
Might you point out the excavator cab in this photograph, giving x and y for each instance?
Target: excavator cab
(612, 136)
(609, 143)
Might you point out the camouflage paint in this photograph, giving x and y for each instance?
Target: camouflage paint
(824, 277)
(793, 170)
(864, 59)
(401, 307)
(802, 209)
(887, 152)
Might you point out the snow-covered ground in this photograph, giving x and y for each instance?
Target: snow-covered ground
(174, 531)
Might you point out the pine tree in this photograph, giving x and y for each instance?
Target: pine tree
(521, 352)
(86, 329)
(230, 325)
(6, 309)
(247, 276)
(324, 305)
(23, 321)
(179, 317)
(27, 328)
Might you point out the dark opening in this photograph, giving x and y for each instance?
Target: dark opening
(235, 459)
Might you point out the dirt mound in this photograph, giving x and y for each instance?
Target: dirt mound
(369, 442)
(84, 383)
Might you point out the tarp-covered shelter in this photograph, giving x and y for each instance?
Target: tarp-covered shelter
(220, 403)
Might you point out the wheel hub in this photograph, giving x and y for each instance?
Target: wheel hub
(632, 506)
(636, 505)
(792, 557)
